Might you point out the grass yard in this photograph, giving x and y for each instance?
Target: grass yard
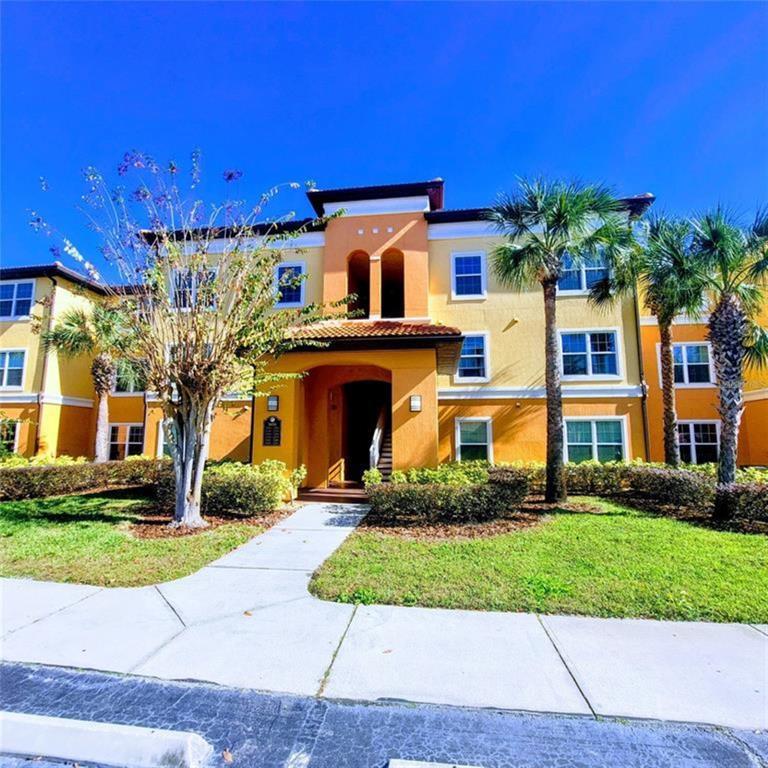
(615, 561)
(111, 539)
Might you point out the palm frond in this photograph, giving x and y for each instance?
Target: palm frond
(757, 346)
(72, 335)
(517, 266)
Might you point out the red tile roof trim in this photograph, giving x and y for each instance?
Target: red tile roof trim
(373, 329)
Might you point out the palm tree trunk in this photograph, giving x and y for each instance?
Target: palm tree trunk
(192, 429)
(728, 334)
(101, 447)
(555, 486)
(671, 443)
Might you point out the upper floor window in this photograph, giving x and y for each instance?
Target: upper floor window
(188, 287)
(468, 275)
(699, 441)
(692, 364)
(474, 440)
(581, 277)
(589, 353)
(129, 378)
(12, 368)
(290, 284)
(16, 299)
(473, 363)
(594, 440)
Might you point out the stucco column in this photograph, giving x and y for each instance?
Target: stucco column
(374, 301)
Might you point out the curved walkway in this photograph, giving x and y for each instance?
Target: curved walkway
(247, 620)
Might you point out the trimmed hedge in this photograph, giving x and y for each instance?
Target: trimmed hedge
(34, 481)
(446, 502)
(748, 501)
(231, 488)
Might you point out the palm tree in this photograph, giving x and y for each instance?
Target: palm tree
(544, 223)
(734, 272)
(667, 272)
(103, 334)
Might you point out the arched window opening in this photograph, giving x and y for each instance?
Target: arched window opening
(359, 283)
(392, 284)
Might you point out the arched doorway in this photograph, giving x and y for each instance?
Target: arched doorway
(359, 283)
(392, 284)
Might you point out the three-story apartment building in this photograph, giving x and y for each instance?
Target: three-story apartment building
(441, 362)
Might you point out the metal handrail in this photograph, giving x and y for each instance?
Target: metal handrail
(374, 452)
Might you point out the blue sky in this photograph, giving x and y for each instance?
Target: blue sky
(670, 98)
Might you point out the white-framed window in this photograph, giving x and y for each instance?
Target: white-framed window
(125, 440)
(699, 441)
(468, 275)
(16, 299)
(289, 283)
(129, 379)
(590, 354)
(9, 435)
(474, 360)
(188, 286)
(12, 368)
(474, 439)
(581, 277)
(595, 439)
(693, 364)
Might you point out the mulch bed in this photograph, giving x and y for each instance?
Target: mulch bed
(154, 525)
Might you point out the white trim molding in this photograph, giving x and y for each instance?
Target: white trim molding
(483, 276)
(77, 402)
(459, 229)
(536, 393)
(756, 394)
(222, 245)
(416, 204)
(590, 376)
(18, 398)
(459, 420)
(679, 320)
(622, 418)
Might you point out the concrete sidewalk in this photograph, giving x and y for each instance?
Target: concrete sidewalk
(247, 620)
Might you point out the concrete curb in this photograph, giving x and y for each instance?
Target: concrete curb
(100, 743)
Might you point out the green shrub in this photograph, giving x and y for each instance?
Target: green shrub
(232, 488)
(401, 503)
(748, 501)
(451, 473)
(66, 476)
(679, 487)
(372, 477)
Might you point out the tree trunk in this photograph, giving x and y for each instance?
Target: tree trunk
(728, 334)
(671, 443)
(101, 448)
(191, 436)
(555, 486)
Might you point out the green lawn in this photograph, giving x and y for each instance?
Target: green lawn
(88, 540)
(619, 563)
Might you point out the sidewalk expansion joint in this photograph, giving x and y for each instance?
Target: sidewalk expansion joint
(170, 605)
(568, 669)
(53, 613)
(327, 673)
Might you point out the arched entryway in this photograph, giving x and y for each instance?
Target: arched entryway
(347, 423)
(359, 283)
(392, 284)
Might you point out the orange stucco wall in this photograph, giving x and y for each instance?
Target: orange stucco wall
(409, 236)
(519, 427)
(753, 437)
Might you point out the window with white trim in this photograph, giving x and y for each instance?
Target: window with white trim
(125, 440)
(594, 440)
(468, 275)
(9, 431)
(474, 441)
(16, 299)
(188, 287)
(129, 378)
(589, 353)
(581, 277)
(289, 282)
(699, 441)
(11, 368)
(692, 364)
(473, 363)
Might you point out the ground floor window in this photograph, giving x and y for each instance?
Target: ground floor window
(474, 440)
(9, 430)
(125, 440)
(699, 441)
(594, 440)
